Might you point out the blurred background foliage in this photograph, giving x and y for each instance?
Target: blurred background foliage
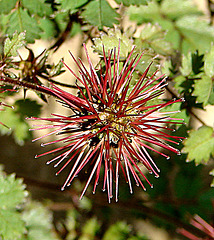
(177, 36)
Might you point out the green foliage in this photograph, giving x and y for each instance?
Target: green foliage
(104, 15)
(12, 195)
(199, 145)
(186, 30)
(186, 64)
(132, 2)
(21, 21)
(11, 46)
(153, 37)
(208, 63)
(203, 89)
(72, 5)
(21, 220)
(38, 221)
(194, 82)
(12, 191)
(18, 126)
(111, 41)
(38, 7)
(7, 6)
(121, 231)
(90, 229)
(175, 9)
(118, 231)
(16, 119)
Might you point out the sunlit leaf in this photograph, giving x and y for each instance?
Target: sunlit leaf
(144, 13)
(186, 64)
(203, 88)
(177, 8)
(38, 221)
(12, 191)
(111, 40)
(12, 45)
(6, 6)
(12, 195)
(199, 145)
(12, 226)
(18, 125)
(208, 62)
(198, 33)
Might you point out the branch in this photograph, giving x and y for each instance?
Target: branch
(58, 83)
(65, 33)
(174, 95)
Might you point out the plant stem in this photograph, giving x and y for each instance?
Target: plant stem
(174, 95)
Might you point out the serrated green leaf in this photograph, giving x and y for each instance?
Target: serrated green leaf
(38, 7)
(12, 226)
(186, 64)
(151, 32)
(38, 222)
(12, 195)
(144, 13)
(132, 2)
(153, 37)
(48, 28)
(20, 21)
(161, 46)
(111, 40)
(12, 192)
(177, 8)
(166, 67)
(209, 62)
(211, 98)
(104, 15)
(11, 46)
(199, 145)
(19, 127)
(185, 28)
(197, 32)
(203, 89)
(179, 81)
(6, 6)
(72, 5)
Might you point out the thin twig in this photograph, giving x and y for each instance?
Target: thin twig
(174, 95)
